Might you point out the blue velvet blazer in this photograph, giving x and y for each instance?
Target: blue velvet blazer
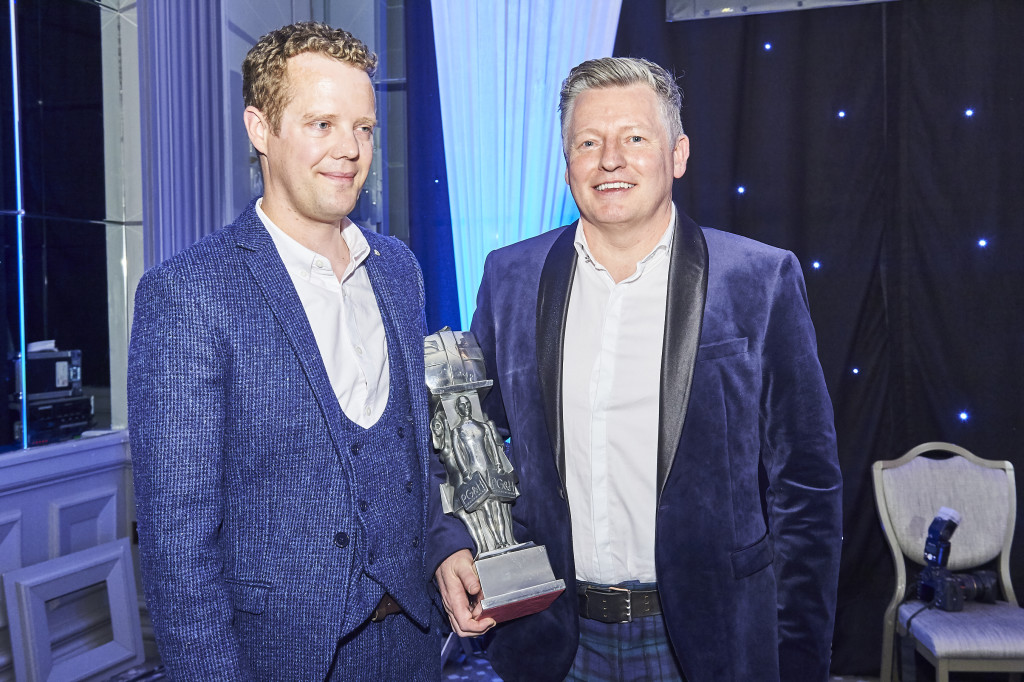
(249, 531)
(745, 598)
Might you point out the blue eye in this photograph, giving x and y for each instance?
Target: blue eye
(636, 138)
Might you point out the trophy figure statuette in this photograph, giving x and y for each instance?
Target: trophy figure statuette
(515, 578)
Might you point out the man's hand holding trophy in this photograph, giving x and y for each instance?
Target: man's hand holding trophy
(515, 578)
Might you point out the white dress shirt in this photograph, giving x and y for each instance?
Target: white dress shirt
(345, 319)
(611, 386)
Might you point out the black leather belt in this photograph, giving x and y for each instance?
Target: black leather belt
(385, 608)
(612, 604)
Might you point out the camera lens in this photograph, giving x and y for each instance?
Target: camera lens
(978, 586)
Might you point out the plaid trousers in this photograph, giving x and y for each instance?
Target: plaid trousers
(618, 652)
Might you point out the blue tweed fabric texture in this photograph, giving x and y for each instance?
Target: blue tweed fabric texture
(258, 502)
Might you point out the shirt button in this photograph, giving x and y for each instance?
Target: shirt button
(367, 410)
(355, 448)
(304, 275)
(415, 542)
(319, 263)
(359, 350)
(363, 505)
(341, 539)
(408, 486)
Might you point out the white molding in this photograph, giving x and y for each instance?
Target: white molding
(29, 589)
(10, 557)
(98, 506)
(33, 467)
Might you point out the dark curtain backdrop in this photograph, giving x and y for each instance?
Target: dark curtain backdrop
(891, 199)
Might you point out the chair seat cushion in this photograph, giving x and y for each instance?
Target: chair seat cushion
(979, 631)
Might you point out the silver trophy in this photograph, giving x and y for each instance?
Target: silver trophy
(515, 578)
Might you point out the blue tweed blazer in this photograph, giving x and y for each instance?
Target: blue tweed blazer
(243, 471)
(745, 597)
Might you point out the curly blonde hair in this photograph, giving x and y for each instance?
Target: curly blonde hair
(264, 70)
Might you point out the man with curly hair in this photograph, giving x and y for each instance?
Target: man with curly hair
(276, 407)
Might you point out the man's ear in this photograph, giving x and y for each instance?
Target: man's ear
(680, 154)
(258, 128)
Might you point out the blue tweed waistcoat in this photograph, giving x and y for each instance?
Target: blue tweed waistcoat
(386, 493)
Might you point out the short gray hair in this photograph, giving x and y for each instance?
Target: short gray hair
(609, 72)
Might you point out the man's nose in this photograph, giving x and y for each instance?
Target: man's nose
(612, 156)
(345, 145)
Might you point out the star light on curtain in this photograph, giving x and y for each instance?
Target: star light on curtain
(500, 66)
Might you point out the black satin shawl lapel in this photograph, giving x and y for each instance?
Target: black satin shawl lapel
(552, 306)
(684, 316)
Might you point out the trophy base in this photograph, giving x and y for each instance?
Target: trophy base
(516, 582)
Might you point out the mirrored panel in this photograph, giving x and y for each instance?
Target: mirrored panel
(61, 95)
(66, 328)
(10, 414)
(8, 198)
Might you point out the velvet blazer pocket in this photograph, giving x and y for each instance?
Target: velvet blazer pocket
(248, 597)
(721, 349)
(752, 558)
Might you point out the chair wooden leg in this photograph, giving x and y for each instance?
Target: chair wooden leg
(907, 659)
(888, 664)
(889, 637)
(942, 671)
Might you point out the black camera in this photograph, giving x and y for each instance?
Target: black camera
(947, 590)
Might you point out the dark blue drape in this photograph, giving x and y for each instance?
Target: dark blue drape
(430, 222)
(851, 138)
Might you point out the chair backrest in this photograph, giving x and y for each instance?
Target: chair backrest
(910, 490)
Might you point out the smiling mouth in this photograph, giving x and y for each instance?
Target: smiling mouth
(340, 176)
(614, 185)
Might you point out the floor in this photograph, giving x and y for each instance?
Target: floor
(461, 666)
(466, 661)
(469, 663)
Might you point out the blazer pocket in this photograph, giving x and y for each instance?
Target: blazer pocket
(752, 558)
(248, 597)
(722, 349)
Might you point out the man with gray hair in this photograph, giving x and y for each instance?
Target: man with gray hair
(644, 369)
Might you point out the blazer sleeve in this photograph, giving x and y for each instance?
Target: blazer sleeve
(804, 494)
(176, 411)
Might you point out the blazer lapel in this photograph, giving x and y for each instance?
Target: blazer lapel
(274, 282)
(684, 316)
(552, 306)
(377, 268)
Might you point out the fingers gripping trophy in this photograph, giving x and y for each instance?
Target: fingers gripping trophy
(515, 578)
